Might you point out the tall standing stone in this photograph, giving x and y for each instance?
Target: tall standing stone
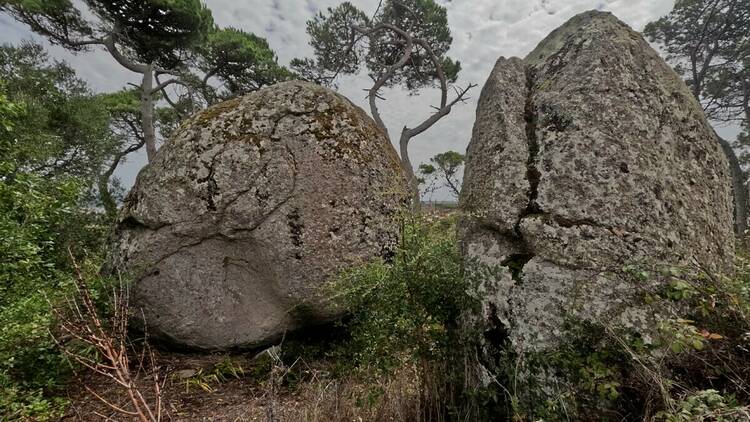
(588, 155)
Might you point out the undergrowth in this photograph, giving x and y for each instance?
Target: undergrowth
(405, 350)
(405, 318)
(695, 368)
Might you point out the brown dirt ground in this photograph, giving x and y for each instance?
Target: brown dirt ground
(305, 392)
(234, 400)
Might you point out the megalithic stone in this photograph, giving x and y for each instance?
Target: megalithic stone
(589, 156)
(249, 209)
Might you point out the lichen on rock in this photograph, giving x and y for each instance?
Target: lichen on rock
(589, 154)
(249, 208)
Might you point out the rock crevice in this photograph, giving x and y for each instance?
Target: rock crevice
(530, 117)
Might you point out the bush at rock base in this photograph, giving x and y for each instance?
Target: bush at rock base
(408, 308)
(406, 314)
(40, 218)
(695, 369)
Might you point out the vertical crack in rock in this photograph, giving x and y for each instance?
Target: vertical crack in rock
(211, 186)
(516, 262)
(497, 334)
(296, 228)
(530, 117)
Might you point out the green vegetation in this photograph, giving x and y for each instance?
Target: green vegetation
(60, 146)
(411, 315)
(61, 128)
(40, 218)
(442, 171)
(408, 310)
(406, 315)
(242, 61)
(173, 39)
(411, 312)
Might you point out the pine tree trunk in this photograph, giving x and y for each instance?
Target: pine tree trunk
(738, 188)
(416, 202)
(147, 112)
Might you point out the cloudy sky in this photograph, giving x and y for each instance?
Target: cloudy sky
(483, 30)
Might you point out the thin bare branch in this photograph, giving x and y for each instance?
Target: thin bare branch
(442, 112)
(113, 406)
(163, 85)
(83, 322)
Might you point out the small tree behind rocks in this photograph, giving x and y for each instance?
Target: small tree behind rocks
(443, 169)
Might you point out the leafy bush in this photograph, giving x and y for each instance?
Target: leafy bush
(408, 309)
(407, 312)
(716, 316)
(706, 405)
(39, 218)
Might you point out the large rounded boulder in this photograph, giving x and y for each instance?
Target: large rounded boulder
(251, 207)
(587, 157)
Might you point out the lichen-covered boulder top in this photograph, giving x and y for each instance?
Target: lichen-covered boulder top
(249, 209)
(589, 154)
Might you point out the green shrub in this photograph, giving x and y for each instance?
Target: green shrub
(40, 218)
(407, 313)
(407, 309)
(706, 405)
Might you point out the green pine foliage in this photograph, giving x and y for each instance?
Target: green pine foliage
(242, 61)
(335, 35)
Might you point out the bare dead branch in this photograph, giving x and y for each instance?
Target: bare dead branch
(113, 406)
(442, 112)
(81, 321)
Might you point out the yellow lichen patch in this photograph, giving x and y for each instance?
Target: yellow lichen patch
(364, 136)
(206, 116)
(371, 131)
(339, 119)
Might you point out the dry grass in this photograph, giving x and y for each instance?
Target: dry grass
(301, 391)
(396, 398)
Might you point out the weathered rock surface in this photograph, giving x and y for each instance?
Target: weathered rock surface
(589, 154)
(252, 206)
